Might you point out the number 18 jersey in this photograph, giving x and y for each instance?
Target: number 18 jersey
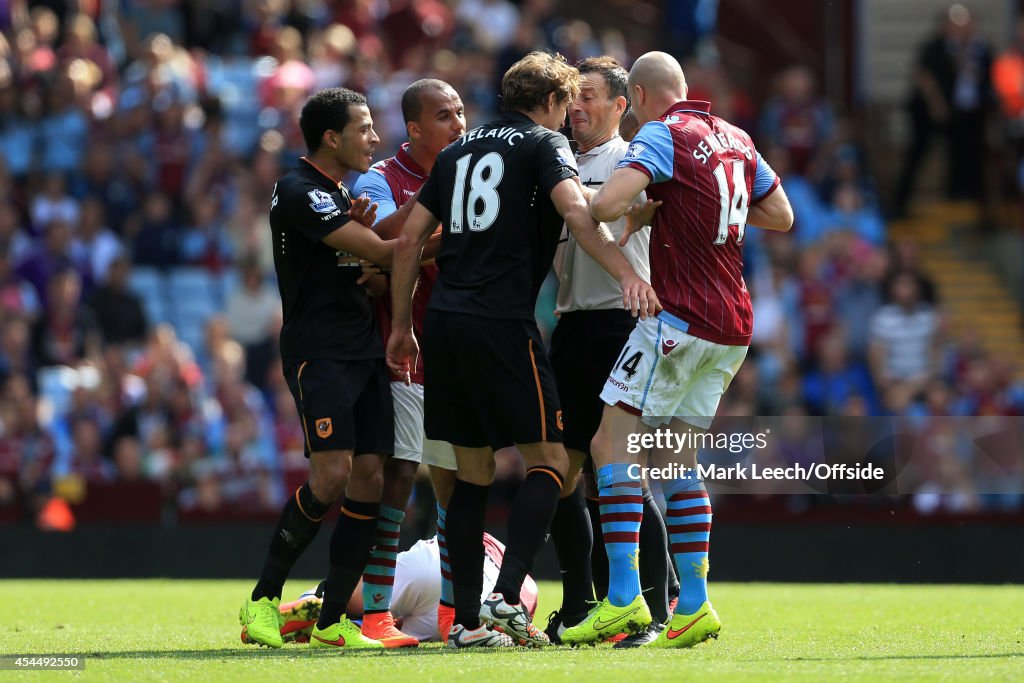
(707, 173)
(491, 190)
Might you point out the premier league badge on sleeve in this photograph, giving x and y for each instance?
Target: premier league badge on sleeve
(322, 202)
(635, 150)
(566, 157)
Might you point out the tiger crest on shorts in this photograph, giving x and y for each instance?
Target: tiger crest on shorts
(324, 428)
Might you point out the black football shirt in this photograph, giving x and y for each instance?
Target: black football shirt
(491, 190)
(326, 314)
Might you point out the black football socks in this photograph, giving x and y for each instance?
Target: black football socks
(573, 538)
(654, 559)
(351, 545)
(296, 529)
(529, 519)
(464, 530)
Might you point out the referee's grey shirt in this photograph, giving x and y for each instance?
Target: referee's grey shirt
(582, 283)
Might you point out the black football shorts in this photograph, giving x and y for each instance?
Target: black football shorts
(584, 347)
(344, 405)
(487, 382)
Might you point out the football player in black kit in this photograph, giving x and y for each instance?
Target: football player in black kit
(333, 360)
(501, 193)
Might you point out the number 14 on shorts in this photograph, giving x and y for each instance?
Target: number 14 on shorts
(627, 364)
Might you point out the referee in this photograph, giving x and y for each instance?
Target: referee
(333, 360)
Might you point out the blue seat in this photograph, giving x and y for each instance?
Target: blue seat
(196, 296)
(150, 286)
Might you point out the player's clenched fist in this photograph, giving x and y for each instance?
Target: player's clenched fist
(403, 353)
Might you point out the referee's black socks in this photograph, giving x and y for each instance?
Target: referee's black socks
(351, 545)
(297, 527)
(654, 559)
(464, 531)
(573, 539)
(598, 555)
(529, 519)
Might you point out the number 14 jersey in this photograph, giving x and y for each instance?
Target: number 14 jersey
(707, 174)
(491, 190)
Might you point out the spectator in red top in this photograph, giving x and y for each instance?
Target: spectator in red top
(87, 459)
(413, 24)
(816, 301)
(80, 42)
(15, 351)
(25, 436)
(358, 15)
(797, 118)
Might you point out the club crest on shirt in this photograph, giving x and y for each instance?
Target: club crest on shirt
(635, 150)
(322, 202)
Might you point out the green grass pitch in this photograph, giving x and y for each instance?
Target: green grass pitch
(163, 630)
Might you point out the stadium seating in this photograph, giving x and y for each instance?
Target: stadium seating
(195, 295)
(148, 284)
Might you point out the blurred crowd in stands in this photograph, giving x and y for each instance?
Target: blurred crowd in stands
(138, 311)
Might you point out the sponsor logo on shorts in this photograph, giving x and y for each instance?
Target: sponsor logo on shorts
(324, 428)
(618, 385)
(667, 345)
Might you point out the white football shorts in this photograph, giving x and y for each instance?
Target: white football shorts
(665, 373)
(410, 443)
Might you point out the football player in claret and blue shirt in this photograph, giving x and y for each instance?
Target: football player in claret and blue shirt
(674, 368)
(434, 118)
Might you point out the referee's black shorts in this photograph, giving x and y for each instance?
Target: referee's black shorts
(584, 347)
(487, 382)
(344, 405)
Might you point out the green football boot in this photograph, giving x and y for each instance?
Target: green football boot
(687, 630)
(606, 620)
(343, 635)
(261, 621)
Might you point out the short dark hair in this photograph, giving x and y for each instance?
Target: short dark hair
(614, 74)
(528, 82)
(327, 110)
(412, 100)
(628, 125)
